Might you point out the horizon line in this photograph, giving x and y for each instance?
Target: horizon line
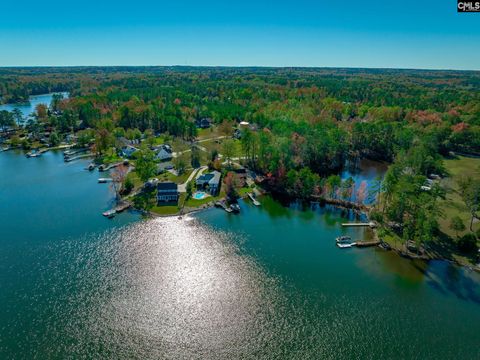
(238, 66)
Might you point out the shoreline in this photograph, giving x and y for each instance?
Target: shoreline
(398, 248)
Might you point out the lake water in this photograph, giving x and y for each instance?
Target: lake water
(266, 284)
(28, 107)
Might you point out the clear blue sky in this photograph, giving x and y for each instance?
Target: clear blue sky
(368, 33)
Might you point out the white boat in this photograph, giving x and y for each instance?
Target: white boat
(34, 153)
(235, 207)
(104, 180)
(109, 214)
(344, 242)
(346, 245)
(343, 238)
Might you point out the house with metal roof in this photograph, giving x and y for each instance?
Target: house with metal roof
(210, 182)
(167, 192)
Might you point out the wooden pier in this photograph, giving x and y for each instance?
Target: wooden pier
(367, 243)
(108, 167)
(122, 207)
(370, 224)
(69, 153)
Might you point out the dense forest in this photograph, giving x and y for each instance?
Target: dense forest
(307, 123)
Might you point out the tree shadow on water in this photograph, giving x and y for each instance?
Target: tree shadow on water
(448, 278)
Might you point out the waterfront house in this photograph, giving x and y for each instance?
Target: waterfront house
(128, 150)
(167, 192)
(210, 182)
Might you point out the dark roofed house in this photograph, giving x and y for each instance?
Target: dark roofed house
(128, 151)
(164, 153)
(237, 134)
(210, 181)
(203, 123)
(167, 192)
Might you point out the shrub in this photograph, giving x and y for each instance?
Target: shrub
(376, 216)
(128, 185)
(467, 243)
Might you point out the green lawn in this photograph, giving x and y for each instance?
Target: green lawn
(168, 176)
(453, 205)
(208, 133)
(210, 145)
(169, 209)
(197, 203)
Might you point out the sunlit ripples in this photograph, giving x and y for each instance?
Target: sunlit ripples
(171, 288)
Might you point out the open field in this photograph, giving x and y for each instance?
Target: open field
(453, 205)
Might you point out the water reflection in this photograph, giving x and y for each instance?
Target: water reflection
(172, 288)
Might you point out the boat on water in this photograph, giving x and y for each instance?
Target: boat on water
(235, 208)
(385, 246)
(109, 214)
(91, 166)
(344, 242)
(346, 245)
(343, 238)
(224, 206)
(34, 153)
(104, 180)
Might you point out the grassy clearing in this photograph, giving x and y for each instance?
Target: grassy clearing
(453, 205)
(208, 133)
(218, 145)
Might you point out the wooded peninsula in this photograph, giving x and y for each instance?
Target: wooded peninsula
(286, 131)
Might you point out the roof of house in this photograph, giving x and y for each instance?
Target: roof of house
(167, 186)
(165, 153)
(205, 177)
(212, 178)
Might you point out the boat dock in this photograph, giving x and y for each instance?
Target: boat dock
(122, 207)
(36, 152)
(255, 201)
(111, 166)
(367, 243)
(69, 153)
(370, 224)
(68, 159)
(118, 209)
(224, 206)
